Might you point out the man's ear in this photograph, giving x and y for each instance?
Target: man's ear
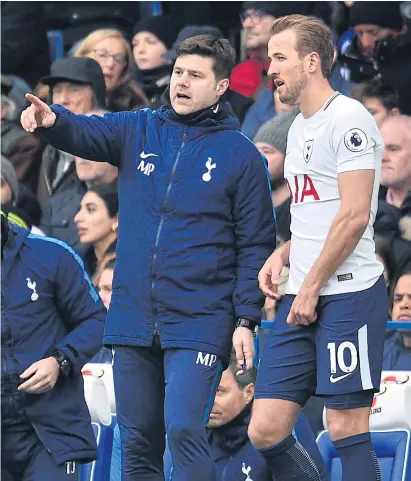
(314, 62)
(249, 391)
(222, 86)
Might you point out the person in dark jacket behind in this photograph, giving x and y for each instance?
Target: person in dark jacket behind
(234, 456)
(397, 347)
(78, 85)
(52, 324)
(195, 225)
(152, 37)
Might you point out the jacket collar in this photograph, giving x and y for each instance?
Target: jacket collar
(233, 435)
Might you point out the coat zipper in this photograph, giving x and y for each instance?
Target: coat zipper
(160, 227)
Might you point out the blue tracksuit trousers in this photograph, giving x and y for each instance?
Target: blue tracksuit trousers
(162, 392)
(24, 458)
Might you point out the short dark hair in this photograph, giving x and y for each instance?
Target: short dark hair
(249, 377)
(219, 49)
(384, 92)
(312, 36)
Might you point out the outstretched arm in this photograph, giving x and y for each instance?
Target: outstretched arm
(90, 137)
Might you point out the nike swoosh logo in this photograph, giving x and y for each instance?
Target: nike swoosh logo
(143, 155)
(336, 379)
(215, 109)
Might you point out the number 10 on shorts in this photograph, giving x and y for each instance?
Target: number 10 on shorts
(337, 357)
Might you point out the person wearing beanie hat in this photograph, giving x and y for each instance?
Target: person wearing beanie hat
(375, 21)
(271, 141)
(152, 38)
(9, 183)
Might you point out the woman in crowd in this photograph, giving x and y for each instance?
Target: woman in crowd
(111, 50)
(97, 224)
(152, 37)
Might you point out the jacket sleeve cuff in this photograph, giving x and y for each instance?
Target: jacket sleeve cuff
(249, 312)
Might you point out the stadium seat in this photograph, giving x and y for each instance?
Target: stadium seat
(99, 470)
(391, 448)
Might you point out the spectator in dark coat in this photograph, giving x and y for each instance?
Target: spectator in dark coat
(393, 219)
(77, 84)
(152, 37)
(380, 48)
(58, 217)
(21, 148)
(271, 141)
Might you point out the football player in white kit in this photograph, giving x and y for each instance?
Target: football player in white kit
(328, 334)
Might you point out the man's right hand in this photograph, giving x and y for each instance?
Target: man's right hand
(39, 114)
(269, 275)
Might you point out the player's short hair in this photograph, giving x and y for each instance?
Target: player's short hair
(219, 49)
(312, 36)
(385, 93)
(249, 377)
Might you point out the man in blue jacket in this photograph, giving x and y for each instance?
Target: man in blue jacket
(52, 324)
(196, 225)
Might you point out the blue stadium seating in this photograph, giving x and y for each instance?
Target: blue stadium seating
(392, 450)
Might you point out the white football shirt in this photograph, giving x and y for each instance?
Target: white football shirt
(342, 136)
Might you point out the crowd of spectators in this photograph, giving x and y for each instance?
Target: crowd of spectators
(123, 60)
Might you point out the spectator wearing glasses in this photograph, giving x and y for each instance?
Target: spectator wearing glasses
(111, 50)
(250, 76)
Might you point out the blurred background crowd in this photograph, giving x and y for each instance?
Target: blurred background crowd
(97, 57)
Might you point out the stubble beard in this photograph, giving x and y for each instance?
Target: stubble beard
(292, 93)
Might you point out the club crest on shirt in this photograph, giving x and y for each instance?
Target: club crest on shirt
(355, 140)
(308, 149)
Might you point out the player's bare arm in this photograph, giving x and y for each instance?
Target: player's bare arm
(355, 189)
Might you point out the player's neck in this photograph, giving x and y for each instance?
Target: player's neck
(314, 96)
